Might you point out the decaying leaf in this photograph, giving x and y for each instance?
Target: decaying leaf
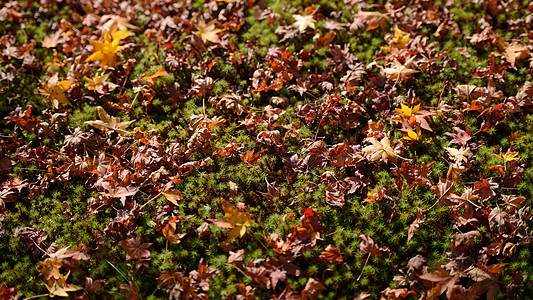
(53, 40)
(373, 18)
(515, 52)
(419, 219)
(135, 249)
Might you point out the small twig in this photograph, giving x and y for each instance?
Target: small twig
(39, 247)
(96, 209)
(29, 169)
(259, 241)
(156, 196)
(203, 105)
(431, 206)
(248, 276)
(166, 251)
(367, 258)
(37, 296)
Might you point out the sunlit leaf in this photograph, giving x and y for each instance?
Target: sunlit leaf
(208, 32)
(108, 122)
(53, 90)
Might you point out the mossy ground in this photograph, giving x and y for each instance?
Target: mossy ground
(64, 208)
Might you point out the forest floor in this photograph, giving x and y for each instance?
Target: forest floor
(262, 149)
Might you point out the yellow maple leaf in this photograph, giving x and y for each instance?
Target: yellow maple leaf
(207, 32)
(399, 41)
(53, 90)
(50, 268)
(412, 135)
(105, 52)
(508, 156)
(234, 219)
(61, 287)
(97, 83)
(375, 195)
(406, 112)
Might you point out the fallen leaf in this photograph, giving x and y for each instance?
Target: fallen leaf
(515, 52)
(207, 32)
(61, 287)
(108, 122)
(169, 231)
(99, 82)
(234, 219)
(412, 135)
(172, 195)
(105, 52)
(53, 90)
(53, 40)
(400, 71)
(135, 249)
(374, 19)
(380, 150)
(416, 223)
(303, 22)
(151, 79)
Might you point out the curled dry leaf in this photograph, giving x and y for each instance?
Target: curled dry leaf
(419, 219)
(380, 150)
(169, 231)
(171, 194)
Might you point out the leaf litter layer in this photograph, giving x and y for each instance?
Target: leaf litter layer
(266, 149)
